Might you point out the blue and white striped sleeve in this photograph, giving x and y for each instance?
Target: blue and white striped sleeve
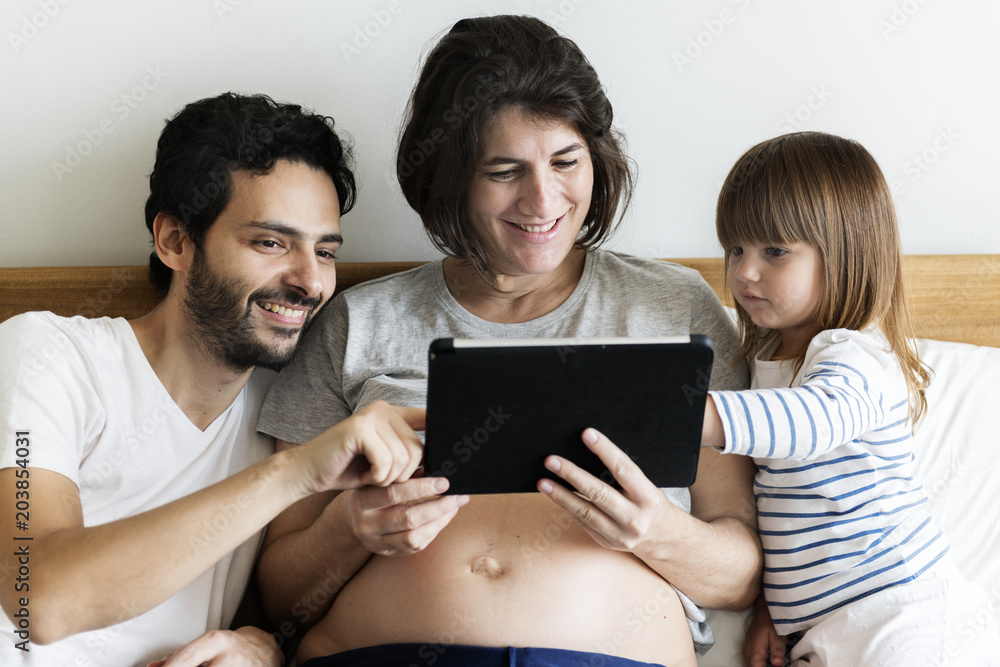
(842, 395)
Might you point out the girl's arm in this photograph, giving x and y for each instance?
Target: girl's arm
(763, 645)
(850, 386)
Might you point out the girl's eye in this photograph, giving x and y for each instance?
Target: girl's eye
(736, 251)
(775, 252)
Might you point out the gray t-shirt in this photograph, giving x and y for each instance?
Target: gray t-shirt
(370, 343)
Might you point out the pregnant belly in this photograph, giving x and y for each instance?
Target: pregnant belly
(510, 570)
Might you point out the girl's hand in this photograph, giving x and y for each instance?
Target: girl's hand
(763, 645)
(621, 520)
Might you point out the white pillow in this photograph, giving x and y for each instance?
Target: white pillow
(958, 460)
(958, 454)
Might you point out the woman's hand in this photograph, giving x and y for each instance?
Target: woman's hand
(245, 647)
(621, 520)
(403, 518)
(763, 645)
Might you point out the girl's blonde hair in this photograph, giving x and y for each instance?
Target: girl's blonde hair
(826, 191)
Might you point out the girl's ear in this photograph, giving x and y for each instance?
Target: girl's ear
(173, 246)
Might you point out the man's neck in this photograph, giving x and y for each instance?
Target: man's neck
(198, 382)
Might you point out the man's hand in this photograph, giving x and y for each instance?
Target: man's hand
(246, 647)
(763, 645)
(376, 446)
(404, 518)
(620, 520)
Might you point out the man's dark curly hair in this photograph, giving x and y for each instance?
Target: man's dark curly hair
(208, 140)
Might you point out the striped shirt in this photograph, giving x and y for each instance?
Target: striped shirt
(840, 513)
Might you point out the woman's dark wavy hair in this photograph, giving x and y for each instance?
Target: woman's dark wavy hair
(208, 140)
(482, 67)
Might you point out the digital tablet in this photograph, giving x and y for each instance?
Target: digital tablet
(496, 408)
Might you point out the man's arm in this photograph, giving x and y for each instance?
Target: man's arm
(82, 577)
(712, 554)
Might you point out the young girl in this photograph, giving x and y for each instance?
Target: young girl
(854, 566)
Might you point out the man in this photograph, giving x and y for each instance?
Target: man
(131, 455)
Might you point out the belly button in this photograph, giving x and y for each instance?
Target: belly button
(488, 566)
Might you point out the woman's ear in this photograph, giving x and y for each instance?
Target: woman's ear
(173, 246)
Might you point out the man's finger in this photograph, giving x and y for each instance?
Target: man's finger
(415, 418)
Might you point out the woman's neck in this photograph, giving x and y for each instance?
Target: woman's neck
(512, 299)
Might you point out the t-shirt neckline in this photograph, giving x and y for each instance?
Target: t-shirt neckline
(514, 329)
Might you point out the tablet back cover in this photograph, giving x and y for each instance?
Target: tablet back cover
(495, 413)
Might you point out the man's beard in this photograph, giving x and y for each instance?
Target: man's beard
(224, 322)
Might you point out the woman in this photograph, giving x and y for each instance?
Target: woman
(509, 157)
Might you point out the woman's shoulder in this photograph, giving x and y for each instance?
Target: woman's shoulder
(389, 298)
(659, 272)
(390, 288)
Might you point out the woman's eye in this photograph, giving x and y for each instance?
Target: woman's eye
(505, 175)
(567, 164)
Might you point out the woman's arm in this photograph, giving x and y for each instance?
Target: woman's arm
(317, 545)
(712, 554)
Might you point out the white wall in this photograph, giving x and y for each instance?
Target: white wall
(87, 85)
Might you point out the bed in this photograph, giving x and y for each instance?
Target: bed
(955, 303)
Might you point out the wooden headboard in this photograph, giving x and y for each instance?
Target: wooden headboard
(952, 297)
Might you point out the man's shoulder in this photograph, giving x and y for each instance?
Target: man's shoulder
(43, 329)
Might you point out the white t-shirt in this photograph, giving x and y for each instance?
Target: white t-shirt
(96, 413)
